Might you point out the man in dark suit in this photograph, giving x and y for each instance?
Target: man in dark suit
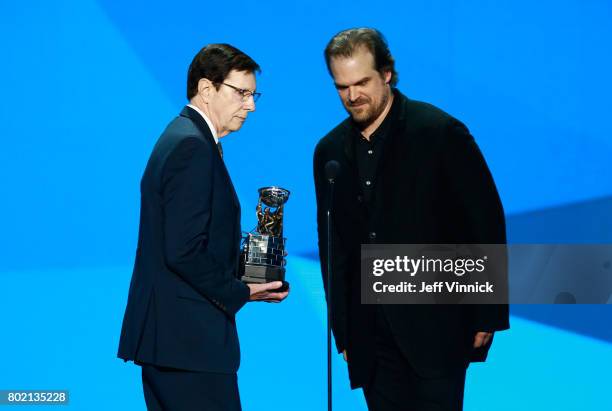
(179, 324)
(409, 174)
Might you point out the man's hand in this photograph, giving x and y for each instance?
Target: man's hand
(262, 292)
(482, 338)
(344, 355)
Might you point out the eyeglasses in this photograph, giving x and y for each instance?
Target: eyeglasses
(244, 93)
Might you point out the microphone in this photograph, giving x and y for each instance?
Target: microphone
(332, 167)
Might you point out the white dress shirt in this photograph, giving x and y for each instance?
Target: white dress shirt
(210, 124)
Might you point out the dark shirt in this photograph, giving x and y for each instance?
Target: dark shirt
(368, 154)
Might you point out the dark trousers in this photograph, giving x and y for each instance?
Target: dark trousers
(169, 389)
(396, 387)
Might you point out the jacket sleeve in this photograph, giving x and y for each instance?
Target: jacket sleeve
(472, 186)
(187, 195)
(339, 255)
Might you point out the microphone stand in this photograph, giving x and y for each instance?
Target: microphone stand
(329, 294)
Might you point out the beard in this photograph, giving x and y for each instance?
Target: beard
(364, 111)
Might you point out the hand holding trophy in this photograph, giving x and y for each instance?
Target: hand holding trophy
(263, 250)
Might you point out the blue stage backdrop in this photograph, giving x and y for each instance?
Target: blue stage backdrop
(88, 86)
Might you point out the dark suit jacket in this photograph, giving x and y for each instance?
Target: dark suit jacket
(432, 187)
(184, 291)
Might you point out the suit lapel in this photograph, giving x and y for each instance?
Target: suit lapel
(398, 165)
(201, 124)
(348, 148)
(348, 143)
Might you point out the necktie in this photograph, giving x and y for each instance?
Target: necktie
(220, 149)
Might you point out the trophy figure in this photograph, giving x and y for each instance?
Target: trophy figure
(263, 250)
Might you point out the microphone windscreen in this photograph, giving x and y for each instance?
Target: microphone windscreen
(332, 167)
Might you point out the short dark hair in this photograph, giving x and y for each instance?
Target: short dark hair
(346, 42)
(214, 62)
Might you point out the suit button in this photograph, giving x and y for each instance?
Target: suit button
(360, 199)
(372, 235)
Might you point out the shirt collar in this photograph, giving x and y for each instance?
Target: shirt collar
(382, 131)
(208, 122)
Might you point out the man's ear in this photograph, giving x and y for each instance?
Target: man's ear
(205, 89)
(387, 76)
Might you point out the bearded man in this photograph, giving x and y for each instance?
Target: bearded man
(409, 174)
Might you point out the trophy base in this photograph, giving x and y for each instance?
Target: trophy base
(260, 274)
